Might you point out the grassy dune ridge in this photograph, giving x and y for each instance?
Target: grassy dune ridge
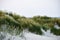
(34, 24)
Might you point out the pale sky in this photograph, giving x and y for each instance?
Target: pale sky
(31, 8)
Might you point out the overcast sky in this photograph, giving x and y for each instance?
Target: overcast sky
(31, 8)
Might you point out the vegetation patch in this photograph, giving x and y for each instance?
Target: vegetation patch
(18, 23)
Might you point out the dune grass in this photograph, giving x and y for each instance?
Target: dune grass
(34, 24)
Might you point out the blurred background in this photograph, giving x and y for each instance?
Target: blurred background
(31, 8)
